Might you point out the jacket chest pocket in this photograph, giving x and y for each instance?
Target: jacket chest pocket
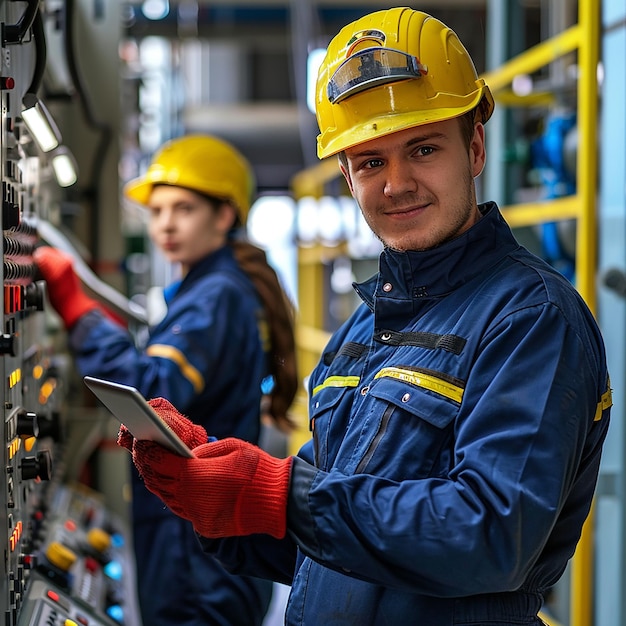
(329, 413)
(410, 427)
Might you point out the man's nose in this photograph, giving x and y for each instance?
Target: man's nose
(399, 180)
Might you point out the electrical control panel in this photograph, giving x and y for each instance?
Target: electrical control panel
(67, 558)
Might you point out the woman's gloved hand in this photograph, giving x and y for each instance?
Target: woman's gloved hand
(64, 289)
(231, 488)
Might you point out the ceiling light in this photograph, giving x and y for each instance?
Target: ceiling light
(314, 60)
(155, 9)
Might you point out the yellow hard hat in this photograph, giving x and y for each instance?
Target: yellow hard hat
(201, 163)
(392, 70)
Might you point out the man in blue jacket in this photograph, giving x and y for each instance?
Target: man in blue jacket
(457, 417)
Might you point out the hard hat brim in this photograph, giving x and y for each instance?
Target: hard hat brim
(138, 190)
(386, 123)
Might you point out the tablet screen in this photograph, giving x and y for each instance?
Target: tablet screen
(130, 408)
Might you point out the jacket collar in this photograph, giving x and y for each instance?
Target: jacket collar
(436, 272)
(218, 261)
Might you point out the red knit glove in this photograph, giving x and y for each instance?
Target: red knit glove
(231, 488)
(64, 290)
(192, 434)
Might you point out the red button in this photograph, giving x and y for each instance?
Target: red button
(91, 565)
(53, 595)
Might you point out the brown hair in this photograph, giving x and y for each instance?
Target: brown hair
(468, 122)
(280, 319)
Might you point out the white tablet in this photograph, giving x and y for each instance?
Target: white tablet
(130, 408)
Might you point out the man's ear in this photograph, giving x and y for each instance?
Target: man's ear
(477, 151)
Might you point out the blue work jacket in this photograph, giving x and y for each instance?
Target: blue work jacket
(458, 418)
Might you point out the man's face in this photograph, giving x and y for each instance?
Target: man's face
(416, 187)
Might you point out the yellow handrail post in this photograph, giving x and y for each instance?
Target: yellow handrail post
(581, 589)
(310, 336)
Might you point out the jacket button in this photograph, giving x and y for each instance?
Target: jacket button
(386, 336)
(364, 390)
(387, 287)
(406, 397)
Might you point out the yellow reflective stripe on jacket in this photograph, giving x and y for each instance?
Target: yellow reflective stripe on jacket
(264, 334)
(175, 355)
(606, 401)
(426, 381)
(338, 381)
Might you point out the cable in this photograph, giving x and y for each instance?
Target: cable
(107, 294)
(41, 53)
(14, 33)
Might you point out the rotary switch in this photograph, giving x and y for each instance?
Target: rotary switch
(34, 295)
(27, 424)
(8, 344)
(39, 466)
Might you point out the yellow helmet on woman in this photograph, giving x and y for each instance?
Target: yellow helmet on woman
(393, 70)
(202, 163)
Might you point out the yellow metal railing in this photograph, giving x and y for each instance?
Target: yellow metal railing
(585, 38)
(582, 38)
(310, 334)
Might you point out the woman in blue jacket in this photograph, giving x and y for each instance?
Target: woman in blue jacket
(227, 330)
(457, 417)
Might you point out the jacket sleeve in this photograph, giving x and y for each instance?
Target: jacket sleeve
(183, 350)
(261, 556)
(527, 442)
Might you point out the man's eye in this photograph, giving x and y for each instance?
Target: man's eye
(425, 150)
(372, 163)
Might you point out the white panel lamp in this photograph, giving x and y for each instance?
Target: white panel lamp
(64, 166)
(40, 123)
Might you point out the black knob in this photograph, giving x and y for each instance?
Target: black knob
(37, 467)
(8, 344)
(50, 426)
(34, 296)
(27, 424)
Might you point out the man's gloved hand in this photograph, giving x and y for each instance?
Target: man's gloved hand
(64, 289)
(231, 488)
(191, 434)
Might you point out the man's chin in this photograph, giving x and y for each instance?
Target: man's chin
(404, 246)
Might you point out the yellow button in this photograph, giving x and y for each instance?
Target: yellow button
(60, 556)
(99, 539)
